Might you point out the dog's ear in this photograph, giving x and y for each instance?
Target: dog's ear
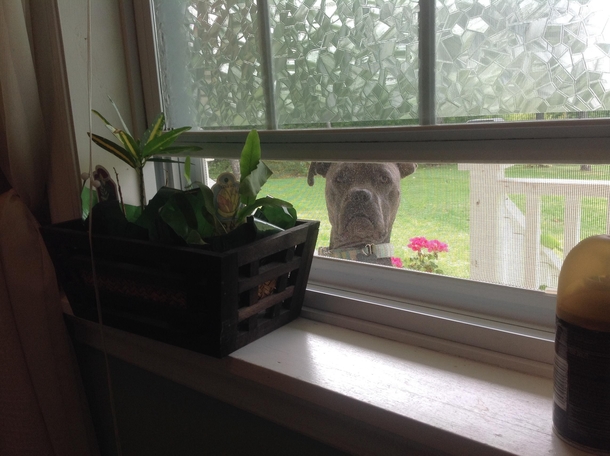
(406, 168)
(320, 168)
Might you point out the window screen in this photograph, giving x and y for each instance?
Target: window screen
(505, 224)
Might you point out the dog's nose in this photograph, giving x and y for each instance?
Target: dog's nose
(360, 195)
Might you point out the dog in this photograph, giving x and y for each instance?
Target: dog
(362, 201)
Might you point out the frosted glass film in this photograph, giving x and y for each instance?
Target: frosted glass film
(355, 62)
(345, 61)
(501, 57)
(339, 62)
(211, 63)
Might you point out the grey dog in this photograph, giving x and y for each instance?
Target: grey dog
(362, 200)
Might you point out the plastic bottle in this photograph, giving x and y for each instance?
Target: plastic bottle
(581, 410)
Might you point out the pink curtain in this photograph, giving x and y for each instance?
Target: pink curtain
(42, 406)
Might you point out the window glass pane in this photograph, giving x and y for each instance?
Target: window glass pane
(522, 59)
(347, 63)
(210, 63)
(503, 224)
(344, 62)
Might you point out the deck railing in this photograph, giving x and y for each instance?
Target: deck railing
(505, 244)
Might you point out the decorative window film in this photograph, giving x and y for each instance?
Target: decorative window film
(322, 63)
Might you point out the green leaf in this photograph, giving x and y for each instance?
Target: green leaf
(120, 117)
(114, 149)
(165, 160)
(179, 150)
(205, 223)
(132, 212)
(113, 130)
(84, 197)
(178, 208)
(250, 185)
(176, 219)
(250, 155)
(156, 145)
(149, 217)
(267, 201)
(187, 170)
(154, 130)
(183, 213)
(131, 146)
(208, 198)
(193, 237)
(282, 216)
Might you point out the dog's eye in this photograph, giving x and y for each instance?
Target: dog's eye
(342, 178)
(384, 179)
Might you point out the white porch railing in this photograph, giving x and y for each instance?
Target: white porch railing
(505, 244)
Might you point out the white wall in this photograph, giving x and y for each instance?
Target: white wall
(109, 79)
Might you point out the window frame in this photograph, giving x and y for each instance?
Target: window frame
(395, 303)
(560, 141)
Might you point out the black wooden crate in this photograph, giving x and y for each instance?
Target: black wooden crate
(186, 296)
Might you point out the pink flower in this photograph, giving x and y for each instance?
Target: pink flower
(396, 262)
(437, 246)
(417, 243)
(425, 261)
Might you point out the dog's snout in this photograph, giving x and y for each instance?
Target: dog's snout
(361, 195)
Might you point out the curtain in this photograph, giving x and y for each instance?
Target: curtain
(42, 406)
(24, 157)
(37, 144)
(43, 410)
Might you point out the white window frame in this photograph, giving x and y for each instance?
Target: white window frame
(503, 325)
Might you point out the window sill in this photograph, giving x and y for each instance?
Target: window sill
(361, 393)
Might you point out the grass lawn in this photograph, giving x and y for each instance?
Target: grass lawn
(435, 204)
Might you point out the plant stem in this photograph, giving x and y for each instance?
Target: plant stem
(118, 184)
(142, 192)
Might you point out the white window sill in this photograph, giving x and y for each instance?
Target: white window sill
(361, 393)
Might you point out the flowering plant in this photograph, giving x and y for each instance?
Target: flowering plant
(423, 261)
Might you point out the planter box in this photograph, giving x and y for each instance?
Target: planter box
(212, 303)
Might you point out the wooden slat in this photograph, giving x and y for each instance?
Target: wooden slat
(608, 216)
(247, 312)
(532, 241)
(268, 272)
(571, 226)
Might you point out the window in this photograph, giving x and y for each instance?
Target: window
(482, 94)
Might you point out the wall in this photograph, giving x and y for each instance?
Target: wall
(109, 79)
(158, 417)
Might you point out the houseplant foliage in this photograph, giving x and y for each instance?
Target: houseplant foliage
(219, 216)
(198, 216)
(136, 152)
(245, 276)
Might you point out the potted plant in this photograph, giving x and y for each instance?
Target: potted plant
(196, 268)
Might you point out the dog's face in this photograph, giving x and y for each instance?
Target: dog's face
(362, 200)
